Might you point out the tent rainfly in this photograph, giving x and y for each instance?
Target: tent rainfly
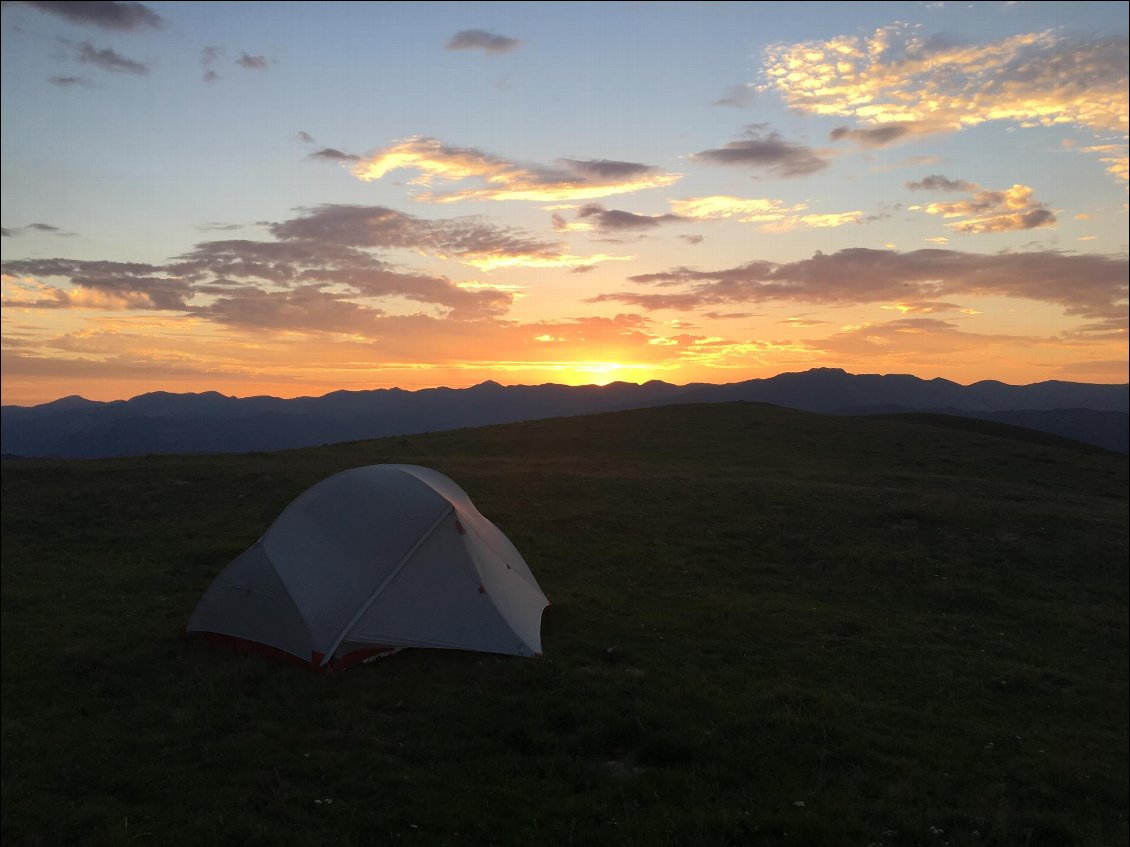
(371, 560)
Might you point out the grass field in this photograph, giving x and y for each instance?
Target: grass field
(768, 627)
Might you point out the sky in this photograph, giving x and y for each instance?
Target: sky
(295, 198)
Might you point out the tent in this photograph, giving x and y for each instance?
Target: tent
(371, 560)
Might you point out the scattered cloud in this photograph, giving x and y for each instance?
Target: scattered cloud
(988, 211)
(70, 81)
(123, 17)
(332, 154)
(879, 136)
(616, 220)
(896, 77)
(692, 239)
(470, 240)
(772, 215)
(46, 229)
(212, 56)
(937, 182)
(568, 179)
(738, 96)
(109, 60)
(209, 56)
(766, 151)
(1115, 157)
(253, 63)
(1093, 285)
(478, 39)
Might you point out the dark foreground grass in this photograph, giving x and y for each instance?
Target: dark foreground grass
(768, 627)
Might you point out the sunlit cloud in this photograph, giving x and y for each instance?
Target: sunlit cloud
(773, 215)
(992, 211)
(1115, 157)
(896, 77)
(814, 221)
(568, 179)
(922, 308)
(744, 210)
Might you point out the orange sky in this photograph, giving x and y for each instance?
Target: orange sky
(266, 204)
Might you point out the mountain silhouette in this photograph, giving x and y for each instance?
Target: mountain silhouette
(210, 422)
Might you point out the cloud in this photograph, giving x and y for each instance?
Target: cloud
(96, 284)
(895, 76)
(1115, 157)
(253, 63)
(1089, 285)
(478, 39)
(109, 60)
(470, 240)
(766, 151)
(568, 179)
(992, 211)
(47, 229)
(123, 17)
(320, 261)
(937, 182)
(70, 81)
(879, 136)
(616, 220)
(332, 154)
(738, 96)
(772, 215)
(692, 239)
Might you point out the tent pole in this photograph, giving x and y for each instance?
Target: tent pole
(328, 656)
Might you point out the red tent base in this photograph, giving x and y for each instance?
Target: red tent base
(242, 646)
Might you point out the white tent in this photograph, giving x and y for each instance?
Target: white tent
(374, 559)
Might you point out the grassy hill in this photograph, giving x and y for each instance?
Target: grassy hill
(768, 627)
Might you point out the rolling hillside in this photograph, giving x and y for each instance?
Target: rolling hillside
(768, 627)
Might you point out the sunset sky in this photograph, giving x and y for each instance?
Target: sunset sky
(294, 198)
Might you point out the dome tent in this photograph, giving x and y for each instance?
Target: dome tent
(374, 559)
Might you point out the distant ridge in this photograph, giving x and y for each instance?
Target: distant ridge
(210, 422)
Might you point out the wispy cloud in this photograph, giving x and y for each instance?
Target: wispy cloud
(567, 179)
(1115, 157)
(109, 60)
(123, 17)
(478, 39)
(772, 215)
(212, 56)
(1087, 285)
(879, 136)
(738, 96)
(768, 151)
(70, 81)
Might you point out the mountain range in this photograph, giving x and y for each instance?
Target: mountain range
(209, 422)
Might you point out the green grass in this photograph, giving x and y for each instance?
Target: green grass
(768, 627)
